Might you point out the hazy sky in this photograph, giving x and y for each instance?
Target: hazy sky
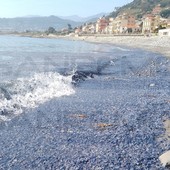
(15, 8)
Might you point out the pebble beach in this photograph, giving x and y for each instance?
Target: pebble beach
(114, 120)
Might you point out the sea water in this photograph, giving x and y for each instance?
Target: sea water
(35, 70)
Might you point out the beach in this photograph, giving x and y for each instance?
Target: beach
(159, 44)
(77, 105)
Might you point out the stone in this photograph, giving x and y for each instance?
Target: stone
(152, 85)
(165, 159)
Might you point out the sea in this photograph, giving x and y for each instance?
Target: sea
(36, 70)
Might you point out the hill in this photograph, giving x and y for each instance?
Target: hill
(35, 23)
(140, 7)
(83, 19)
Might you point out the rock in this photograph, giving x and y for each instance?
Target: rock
(165, 159)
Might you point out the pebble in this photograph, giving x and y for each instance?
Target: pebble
(152, 85)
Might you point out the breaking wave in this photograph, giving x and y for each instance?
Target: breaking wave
(30, 92)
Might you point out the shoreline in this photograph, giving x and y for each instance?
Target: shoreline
(154, 43)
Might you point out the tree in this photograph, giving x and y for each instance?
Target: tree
(165, 4)
(69, 27)
(117, 8)
(165, 13)
(51, 30)
(139, 16)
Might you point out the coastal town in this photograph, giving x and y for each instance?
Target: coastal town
(125, 22)
(151, 23)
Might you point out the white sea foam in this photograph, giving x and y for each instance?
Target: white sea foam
(30, 92)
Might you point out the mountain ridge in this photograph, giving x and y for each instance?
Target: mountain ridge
(42, 23)
(37, 23)
(77, 18)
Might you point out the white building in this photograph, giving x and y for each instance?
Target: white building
(164, 32)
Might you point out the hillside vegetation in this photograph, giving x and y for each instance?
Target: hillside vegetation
(141, 7)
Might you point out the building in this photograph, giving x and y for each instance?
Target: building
(168, 23)
(124, 24)
(147, 24)
(151, 23)
(92, 28)
(89, 28)
(85, 28)
(164, 32)
(110, 28)
(78, 31)
(131, 24)
(157, 10)
(138, 28)
(101, 25)
(163, 23)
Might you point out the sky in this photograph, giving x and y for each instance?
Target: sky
(83, 8)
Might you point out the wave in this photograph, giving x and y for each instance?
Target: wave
(31, 92)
